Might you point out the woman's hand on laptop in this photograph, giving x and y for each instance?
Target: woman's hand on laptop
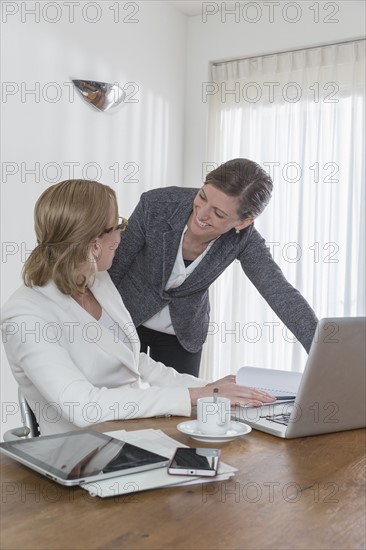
(238, 395)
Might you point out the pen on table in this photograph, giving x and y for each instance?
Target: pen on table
(285, 397)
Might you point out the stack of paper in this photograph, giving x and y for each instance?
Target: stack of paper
(157, 442)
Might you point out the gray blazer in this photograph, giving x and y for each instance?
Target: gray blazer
(145, 258)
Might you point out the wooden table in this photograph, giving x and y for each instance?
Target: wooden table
(301, 493)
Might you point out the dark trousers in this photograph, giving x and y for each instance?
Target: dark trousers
(167, 349)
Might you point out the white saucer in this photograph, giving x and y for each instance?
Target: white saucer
(237, 429)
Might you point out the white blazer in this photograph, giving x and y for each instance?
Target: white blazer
(75, 372)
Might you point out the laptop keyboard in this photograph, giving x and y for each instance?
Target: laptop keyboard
(280, 418)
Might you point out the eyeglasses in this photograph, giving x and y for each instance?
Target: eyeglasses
(121, 226)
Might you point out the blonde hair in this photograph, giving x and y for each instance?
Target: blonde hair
(68, 217)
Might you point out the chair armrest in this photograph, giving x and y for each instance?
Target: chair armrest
(16, 433)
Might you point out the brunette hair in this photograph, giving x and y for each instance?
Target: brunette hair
(68, 217)
(246, 180)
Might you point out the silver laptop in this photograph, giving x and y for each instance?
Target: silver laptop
(331, 392)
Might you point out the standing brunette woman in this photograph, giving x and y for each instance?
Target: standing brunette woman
(179, 240)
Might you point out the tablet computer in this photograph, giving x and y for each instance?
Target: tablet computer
(72, 458)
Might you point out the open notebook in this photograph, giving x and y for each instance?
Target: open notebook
(282, 384)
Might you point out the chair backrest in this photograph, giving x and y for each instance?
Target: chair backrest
(30, 426)
(28, 418)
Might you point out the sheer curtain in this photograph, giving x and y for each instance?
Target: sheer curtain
(301, 116)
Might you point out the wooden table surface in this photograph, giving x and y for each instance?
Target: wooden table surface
(300, 493)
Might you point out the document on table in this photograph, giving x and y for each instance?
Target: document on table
(158, 442)
(277, 382)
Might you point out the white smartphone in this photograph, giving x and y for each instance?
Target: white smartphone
(194, 462)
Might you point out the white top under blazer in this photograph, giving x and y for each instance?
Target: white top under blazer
(162, 321)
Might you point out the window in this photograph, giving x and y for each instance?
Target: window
(301, 116)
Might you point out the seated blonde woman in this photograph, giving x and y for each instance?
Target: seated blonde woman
(70, 342)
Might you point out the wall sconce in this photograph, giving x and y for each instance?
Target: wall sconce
(100, 95)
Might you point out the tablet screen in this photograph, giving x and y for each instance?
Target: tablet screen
(82, 455)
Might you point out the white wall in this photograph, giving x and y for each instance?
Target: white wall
(255, 28)
(55, 129)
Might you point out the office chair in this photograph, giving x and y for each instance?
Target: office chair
(30, 426)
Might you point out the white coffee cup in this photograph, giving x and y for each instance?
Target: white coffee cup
(213, 417)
